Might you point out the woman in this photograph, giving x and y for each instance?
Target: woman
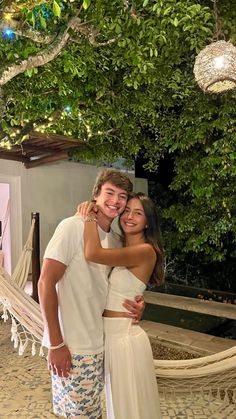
(131, 388)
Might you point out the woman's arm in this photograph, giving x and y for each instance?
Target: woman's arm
(127, 256)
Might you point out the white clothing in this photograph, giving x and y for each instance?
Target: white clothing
(122, 284)
(82, 291)
(130, 380)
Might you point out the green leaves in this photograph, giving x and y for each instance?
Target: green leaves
(56, 9)
(42, 21)
(86, 4)
(127, 77)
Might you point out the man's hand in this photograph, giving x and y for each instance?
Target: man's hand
(135, 308)
(59, 361)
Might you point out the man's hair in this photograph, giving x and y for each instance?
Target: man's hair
(114, 176)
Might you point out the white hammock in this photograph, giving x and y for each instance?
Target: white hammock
(212, 377)
(26, 317)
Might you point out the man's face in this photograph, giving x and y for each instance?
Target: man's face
(111, 200)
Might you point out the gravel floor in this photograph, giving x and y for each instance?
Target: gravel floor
(162, 351)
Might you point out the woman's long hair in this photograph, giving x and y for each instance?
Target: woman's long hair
(152, 234)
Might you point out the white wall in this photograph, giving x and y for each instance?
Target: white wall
(52, 190)
(5, 219)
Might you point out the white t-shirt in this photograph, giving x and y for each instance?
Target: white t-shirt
(82, 290)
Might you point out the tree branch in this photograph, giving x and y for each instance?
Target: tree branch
(53, 50)
(43, 57)
(91, 34)
(35, 36)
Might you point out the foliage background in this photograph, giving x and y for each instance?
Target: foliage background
(123, 83)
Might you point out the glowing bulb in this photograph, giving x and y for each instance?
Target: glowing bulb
(8, 33)
(67, 109)
(219, 62)
(7, 16)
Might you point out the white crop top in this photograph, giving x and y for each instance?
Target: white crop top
(122, 284)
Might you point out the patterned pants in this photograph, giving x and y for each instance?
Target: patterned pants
(78, 396)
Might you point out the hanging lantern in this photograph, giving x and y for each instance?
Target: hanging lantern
(215, 67)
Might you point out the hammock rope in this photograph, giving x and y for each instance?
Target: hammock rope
(211, 377)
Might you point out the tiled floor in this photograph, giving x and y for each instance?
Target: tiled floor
(25, 390)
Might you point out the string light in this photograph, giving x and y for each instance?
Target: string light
(5, 144)
(8, 33)
(7, 17)
(67, 109)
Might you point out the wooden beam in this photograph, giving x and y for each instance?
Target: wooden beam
(28, 147)
(36, 135)
(12, 156)
(45, 160)
(212, 308)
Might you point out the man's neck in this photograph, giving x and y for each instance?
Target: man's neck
(104, 222)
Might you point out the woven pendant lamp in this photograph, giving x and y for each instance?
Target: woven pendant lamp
(215, 65)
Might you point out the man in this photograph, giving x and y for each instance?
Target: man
(72, 296)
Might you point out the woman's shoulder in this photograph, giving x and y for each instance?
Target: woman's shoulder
(145, 250)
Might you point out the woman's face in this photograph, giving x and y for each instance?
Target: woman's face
(133, 219)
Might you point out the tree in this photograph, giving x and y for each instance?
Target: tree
(119, 75)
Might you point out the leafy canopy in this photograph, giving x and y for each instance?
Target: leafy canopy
(119, 75)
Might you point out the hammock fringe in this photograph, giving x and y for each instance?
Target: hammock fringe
(211, 377)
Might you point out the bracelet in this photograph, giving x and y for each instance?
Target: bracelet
(57, 346)
(88, 219)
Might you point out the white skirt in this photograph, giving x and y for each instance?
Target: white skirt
(130, 380)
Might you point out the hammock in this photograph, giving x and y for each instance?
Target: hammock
(26, 317)
(211, 378)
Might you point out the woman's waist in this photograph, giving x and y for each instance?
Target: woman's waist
(115, 300)
(120, 326)
(114, 313)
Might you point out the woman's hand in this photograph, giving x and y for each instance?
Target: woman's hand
(86, 209)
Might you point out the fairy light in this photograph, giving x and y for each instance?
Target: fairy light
(5, 144)
(8, 33)
(7, 17)
(67, 109)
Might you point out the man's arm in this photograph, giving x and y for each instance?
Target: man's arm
(135, 308)
(59, 360)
